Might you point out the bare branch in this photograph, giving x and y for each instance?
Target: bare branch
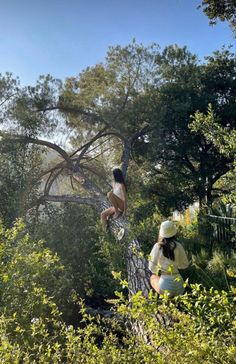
(51, 180)
(96, 156)
(45, 143)
(7, 98)
(73, 110)
(70, 198)
(112, 133)
(57, 166)
(87, 146)
(101, 176)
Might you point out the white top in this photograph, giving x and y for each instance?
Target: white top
(118, 191)
(159, 262)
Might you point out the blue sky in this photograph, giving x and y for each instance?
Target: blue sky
(62, 37)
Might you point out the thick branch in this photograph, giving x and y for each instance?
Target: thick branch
(45, 143)
(217, 176)
(137, 266)
(58, 166)
(51, 180)
(86, 182)
(87, 146)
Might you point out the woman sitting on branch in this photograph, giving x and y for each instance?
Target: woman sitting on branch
(117, 198)
(167, 257)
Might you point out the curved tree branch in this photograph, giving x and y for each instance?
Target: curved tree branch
(51, 180)
(70, 198)
(7, 98)
(59, 150)
(74, 110)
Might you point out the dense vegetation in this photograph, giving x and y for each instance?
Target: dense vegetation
(36, 295)
(65, 296)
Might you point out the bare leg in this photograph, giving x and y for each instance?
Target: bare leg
(154, 280)
(116, 202)
(106, 214)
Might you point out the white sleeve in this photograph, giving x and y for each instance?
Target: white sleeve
(181, 257)
(153, 259)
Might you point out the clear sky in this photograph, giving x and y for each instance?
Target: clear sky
(62, 37)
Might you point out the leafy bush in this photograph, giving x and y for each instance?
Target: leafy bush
(212, 268)
(32, 278)
(199, 326)
(88, 255)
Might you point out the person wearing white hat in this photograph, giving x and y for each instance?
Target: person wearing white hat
(166, 258)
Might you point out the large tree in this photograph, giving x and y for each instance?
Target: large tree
(104, 108)
(135, 105)
(184, 166)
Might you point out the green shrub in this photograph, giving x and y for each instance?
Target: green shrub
(32, 278)
(197, 327)
(88, 255)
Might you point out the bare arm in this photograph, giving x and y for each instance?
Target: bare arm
(153, 263)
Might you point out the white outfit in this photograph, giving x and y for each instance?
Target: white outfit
(170, 279)
(174, 284)
(118, 191)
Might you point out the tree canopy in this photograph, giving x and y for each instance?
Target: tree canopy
(220, 10)
(137, 104)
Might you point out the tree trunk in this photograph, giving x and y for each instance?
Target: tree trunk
(137, 268)
(137, 265)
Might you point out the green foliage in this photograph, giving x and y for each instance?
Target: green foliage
(19, 184)
(184, 166)
(145, 228)
(31, 277)
(196, 327)
(146, 96)
(89, 256)
(203, 322)
(212, 267)
(43, 95)
(224, 138)
(9, 88)
(220, 10)
(113, 91)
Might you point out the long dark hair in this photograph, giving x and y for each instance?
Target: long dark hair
(118, 176)
(168, 246)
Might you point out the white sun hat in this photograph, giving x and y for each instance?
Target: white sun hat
(167, 229)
